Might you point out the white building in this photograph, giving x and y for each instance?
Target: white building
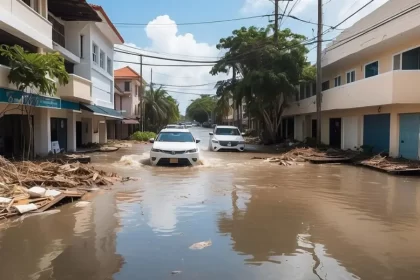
(371, 85)
(85, 37)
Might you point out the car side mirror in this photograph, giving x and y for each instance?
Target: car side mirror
(197, 140)
(243, 133)
(210, 133)
(152, 140)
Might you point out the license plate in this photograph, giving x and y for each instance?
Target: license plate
(173, 160)
(229, 144)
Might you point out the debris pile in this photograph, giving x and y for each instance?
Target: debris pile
(296, 155)
(391, 164)
(27, 186)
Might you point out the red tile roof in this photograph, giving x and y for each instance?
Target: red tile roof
(101, 10)
(126, 73)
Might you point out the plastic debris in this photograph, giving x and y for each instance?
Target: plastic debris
(200, 245)
(26, 208)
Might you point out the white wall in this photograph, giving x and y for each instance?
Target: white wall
(102, 81)
(299, 128)
(350, 132)
(84, 68)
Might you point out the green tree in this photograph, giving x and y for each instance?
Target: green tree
(201, 108)
(223, 105)
(160, 109)
(38, 73)
(269, 72)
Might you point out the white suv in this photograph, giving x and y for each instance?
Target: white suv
(175, 147)
(226, 138)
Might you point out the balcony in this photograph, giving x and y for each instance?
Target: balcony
(394, 87)
(19, 19)
(78, 89)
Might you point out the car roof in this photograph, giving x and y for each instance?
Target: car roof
(225, 126)
(174, 130)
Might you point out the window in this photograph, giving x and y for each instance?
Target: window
(371, 69)
(308, 90)
(350, 76)
(81, 45)
(325, 85)
(136, 91)
(397, 62)
(127, 86)
(95, 53)
(301, 91)
(175, 137)
(109, 65)
(102, 60)
(58, 31)
(337, 81)
(313, 89)
(227, 131)
(411, 59)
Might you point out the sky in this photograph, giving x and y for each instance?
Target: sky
(162, 36)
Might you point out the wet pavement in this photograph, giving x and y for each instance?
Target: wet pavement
(264, 221)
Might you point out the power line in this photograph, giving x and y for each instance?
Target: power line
(128, 24)
(284, 12)
(373, 27)
(187, 85)
(166, 65)
(162, 58)
(176, 54)
(190, 93)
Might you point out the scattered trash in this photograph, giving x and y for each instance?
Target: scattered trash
(200, 245)
(38, 186)
(82, 204)
(176, 272)
(35, 192)
(26, 207)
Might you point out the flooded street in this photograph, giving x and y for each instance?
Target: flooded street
(264, 221)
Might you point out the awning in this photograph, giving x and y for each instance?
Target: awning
(73, 10)
(129, 121)
(102, 111)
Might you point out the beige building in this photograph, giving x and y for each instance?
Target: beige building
(129, 94)
(371, 85)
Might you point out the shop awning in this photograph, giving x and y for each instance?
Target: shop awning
(130, 121)
(102, 111)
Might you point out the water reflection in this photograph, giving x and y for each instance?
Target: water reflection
(73, 244)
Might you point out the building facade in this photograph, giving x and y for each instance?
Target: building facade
(370, 90)
(128, 100)
(77, 115)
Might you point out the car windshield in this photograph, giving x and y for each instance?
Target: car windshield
(227, 131)
(175, 137)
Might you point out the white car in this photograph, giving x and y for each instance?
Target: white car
(226, 138)
(178, 126)
(175, 147)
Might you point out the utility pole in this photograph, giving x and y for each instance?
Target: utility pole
(142, 94)
(151, 77)
(276, 20)
(319, 74)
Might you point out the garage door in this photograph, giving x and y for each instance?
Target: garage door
(409, 135)
(376, 132)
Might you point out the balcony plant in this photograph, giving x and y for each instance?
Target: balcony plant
(35, 74)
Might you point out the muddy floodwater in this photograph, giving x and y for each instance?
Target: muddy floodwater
(255, 220)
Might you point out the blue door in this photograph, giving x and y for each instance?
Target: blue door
(409, 135)
(376, 129)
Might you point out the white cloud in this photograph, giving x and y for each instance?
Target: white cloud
(165, 42)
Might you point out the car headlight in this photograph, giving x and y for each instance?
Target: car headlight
(215, 141)
(155, 150)
(191, 151)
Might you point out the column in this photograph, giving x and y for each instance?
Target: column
(71, 131)
(42, 131)
(102, 133)
(394, 137)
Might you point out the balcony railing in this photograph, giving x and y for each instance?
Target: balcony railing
(394, 87)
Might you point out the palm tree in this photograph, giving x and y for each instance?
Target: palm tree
(222, 105)
(160, 108)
